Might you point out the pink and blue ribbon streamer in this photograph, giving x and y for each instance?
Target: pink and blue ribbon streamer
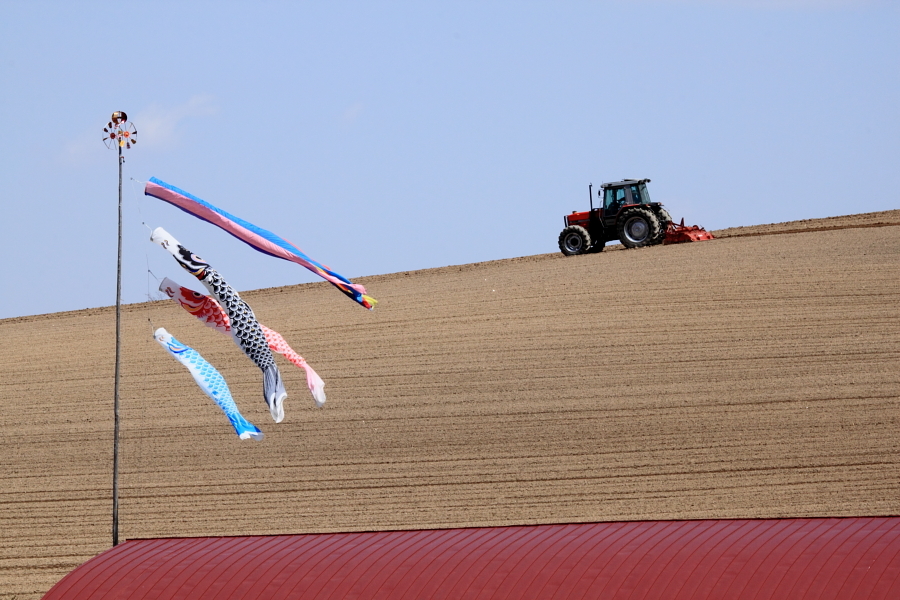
(260, 239)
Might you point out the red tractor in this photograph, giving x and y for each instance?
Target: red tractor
(625, 214)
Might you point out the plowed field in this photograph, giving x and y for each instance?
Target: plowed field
(757, 375)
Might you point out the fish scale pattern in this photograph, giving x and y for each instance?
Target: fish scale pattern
(245, 329)
(248, 334)
(210, 381)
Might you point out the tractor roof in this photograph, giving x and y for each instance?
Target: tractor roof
(623, 182)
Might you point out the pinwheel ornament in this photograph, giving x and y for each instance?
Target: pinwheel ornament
(119, 131)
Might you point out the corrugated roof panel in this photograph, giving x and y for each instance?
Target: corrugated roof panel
(775, 559)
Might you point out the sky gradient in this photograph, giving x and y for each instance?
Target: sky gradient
(412, 135)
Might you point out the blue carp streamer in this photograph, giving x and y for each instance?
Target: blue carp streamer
(210, 381)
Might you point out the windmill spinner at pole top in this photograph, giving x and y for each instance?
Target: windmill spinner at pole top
(120, 131)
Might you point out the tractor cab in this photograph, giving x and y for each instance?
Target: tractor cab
(615, 196)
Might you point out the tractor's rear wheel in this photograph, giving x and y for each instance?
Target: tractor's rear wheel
(573, 240)
(638, 227)
(664, 219)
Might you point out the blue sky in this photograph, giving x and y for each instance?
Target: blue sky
(391, 136)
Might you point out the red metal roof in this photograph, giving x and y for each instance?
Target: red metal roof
(790, 559)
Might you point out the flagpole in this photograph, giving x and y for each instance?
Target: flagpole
(123, 134)
(115, 515)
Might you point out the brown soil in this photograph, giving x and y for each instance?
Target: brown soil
(887, 218)
(751, 376)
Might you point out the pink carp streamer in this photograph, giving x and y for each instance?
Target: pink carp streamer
(211, 314)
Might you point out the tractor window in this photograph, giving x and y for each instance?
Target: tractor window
(645, 194)
(636, 197)
(615, 198)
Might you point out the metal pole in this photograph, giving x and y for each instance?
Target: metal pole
(122, 133)
(115, 515)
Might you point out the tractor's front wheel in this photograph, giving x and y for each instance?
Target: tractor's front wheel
(573, 240)
(638, 227)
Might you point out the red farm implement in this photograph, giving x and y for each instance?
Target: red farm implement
(677, 234)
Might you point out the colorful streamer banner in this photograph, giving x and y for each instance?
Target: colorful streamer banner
(261, 239)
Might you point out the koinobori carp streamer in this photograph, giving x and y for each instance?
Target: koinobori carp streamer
(245, 329)
(208, 311)
(210, 381)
